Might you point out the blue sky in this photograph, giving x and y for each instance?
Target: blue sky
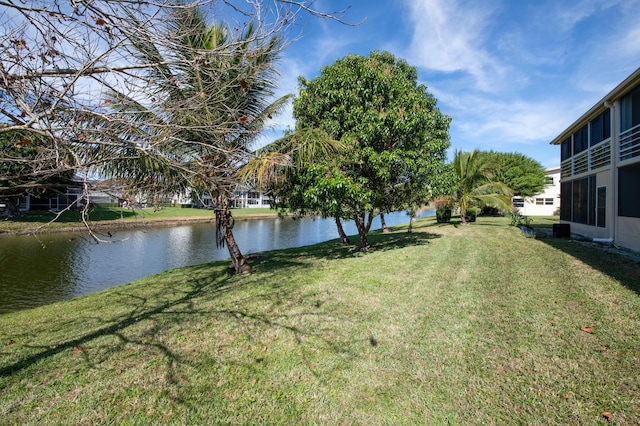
(512, 74)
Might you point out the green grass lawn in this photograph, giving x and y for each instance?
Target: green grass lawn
(115, 216)
(447, 325)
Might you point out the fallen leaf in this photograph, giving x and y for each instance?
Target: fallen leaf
(586, 329)
(10, 342)
(607, 415)
(78, 350)
(602, 349)
(264, 349)
(253, 382)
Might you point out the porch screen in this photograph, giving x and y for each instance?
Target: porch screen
(629, 191)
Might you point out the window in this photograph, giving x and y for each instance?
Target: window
(629, 191)
(565, 200)
(581, 139)
(601, 206)
(600, 128)
(518, 202)
(548, 180)
(565, 149)
(578, 200)
(630, 110)
(544, 201)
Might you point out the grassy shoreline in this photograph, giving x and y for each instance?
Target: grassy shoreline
(103, 218)
(446, 325)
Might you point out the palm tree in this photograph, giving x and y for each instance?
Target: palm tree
(198, 116)
(474, 185)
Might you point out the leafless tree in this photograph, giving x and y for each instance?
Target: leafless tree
(60, 60)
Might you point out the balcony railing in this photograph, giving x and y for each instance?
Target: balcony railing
(600, 155)
(581, 163)
(630, 143)
(594, 158)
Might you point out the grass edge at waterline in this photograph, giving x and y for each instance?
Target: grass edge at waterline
(448, 324)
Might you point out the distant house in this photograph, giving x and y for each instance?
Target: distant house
(547, 202)
(600, 168)
(49, 200)
(243, 197)
(246, 197)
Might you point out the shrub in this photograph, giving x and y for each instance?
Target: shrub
(471, 214)
(518, 219)
(491, 211)
(443, 214)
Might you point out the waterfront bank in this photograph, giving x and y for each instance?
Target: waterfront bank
(448, 324)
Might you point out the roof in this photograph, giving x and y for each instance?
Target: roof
(620, 90)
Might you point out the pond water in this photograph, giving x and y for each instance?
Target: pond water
(42, 269)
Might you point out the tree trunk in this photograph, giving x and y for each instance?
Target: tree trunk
(385, 229)
(363, 224)
(412, 217)
(463, 214)
(224, 231)
(11, 209)
(343, 236)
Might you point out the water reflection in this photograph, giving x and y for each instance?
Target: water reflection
(38, 270)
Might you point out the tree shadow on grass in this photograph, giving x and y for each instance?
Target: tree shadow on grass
(139, 309)
(397, 239)
(148, 317)
(618, 264)
(148, 321)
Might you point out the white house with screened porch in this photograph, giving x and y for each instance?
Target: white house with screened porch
(600, 168)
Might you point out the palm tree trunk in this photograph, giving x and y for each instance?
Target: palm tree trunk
(343, 236)
(224, 231)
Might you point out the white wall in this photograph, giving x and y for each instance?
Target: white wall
(551, 192)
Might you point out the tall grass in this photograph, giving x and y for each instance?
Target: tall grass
(447, 325)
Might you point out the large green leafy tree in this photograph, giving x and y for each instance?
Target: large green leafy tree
(394, 141)
(476, 184)
(211, 95)
(524, 175)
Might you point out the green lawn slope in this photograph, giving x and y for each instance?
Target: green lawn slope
(449, 324)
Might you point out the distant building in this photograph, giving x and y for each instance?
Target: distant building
(245, 197)
(49, 200)
(600, 168)
(547, 203)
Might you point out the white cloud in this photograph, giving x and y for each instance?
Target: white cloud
(504, 123)
(565, 16)
(448, 37)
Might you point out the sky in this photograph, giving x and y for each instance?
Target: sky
(512, 74)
